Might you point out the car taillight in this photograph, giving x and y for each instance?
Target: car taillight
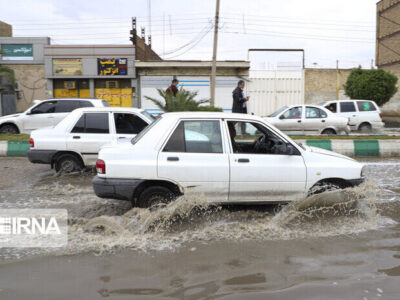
(380, 115)
(348, 122)
(31, 142)
(101, 166)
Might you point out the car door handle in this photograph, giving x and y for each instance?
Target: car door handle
(172, 158)
(354, 115)
(243, 160)
(50, 117)
(299, 121)
(122, 137)
(76, 137)
(323, 121)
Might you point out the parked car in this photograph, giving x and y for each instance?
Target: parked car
(201, 153)
(45, 113)
(307, 119)
(364, 115)
(74, 143)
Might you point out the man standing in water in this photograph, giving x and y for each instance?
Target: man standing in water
(239, 102)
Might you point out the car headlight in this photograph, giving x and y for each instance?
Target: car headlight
(363, 172)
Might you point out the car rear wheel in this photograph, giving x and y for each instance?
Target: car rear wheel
(365, 128)
(155, 196)
(9, 129)
(68, 163)
(329, 131)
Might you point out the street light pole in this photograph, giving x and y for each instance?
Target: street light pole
(214, 57)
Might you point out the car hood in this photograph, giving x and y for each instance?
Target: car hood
(326, 152)
(9, 117)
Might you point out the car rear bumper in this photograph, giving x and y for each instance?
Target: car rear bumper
(378, 125)
(40, 156)
(120, 189)
(356, 182)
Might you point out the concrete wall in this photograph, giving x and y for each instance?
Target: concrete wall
(31, 83)
(388, 33)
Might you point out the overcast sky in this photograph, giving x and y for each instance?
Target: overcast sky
(341, 30)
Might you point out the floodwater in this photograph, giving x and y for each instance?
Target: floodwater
(191, 250)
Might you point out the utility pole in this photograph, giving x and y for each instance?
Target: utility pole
(337, 80)
(133, 32)
(214, 57)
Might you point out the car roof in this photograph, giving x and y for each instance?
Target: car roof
(108, 108)
(209, 115)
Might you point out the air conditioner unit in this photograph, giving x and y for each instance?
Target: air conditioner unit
(112, 84)
(69, 85)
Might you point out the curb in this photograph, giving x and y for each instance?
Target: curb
(357, 148)
(14, 148)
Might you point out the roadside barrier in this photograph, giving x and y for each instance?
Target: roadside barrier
(357, 148)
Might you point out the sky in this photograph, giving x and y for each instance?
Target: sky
(328, 31)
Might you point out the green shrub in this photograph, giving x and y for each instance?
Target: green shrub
(184, 100)
(376, 84)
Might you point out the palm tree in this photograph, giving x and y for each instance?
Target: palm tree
(184, 100)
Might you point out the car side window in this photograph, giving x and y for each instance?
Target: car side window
(92, 123)
(128, 123)
(253, 138)
(85, 104)
(201, 136)
(293, 113)
(47, 107)
(315, 113)
(366, 106)
(332, 107)
(66, 106)
(347, 107)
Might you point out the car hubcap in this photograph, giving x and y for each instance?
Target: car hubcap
(67, 166)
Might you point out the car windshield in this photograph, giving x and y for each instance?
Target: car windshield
(149, 115)
(278, 111)
(144, 131)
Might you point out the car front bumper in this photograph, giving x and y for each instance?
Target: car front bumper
(40, 156)
(120, 189)
(356, 182)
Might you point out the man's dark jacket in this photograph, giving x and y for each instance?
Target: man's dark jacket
(238, 101)
(172, 89)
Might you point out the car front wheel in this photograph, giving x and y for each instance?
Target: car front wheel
(68, 163)
(155, 196)
(8, 129)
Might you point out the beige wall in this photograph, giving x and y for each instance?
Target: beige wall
(388, 33)
(31, 82)
(320, 85)
(241, 72)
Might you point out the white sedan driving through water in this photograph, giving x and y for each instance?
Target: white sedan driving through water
(203, 153)
(306, 119)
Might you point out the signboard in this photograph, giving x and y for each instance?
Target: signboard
(17, 52)
(67, 66)
(112, 66)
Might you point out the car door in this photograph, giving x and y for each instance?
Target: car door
(315, 120)
(63, 108)
(291, 120)
(39, 116)
(127, 125)
(194, 157)
(90, 132)
(349, 111)
(263, 174)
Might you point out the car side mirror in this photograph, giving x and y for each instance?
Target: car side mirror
(281, 117)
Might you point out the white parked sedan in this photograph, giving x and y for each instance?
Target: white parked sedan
(75, 142)
(305, 119)
(201, 152)
(45, 113)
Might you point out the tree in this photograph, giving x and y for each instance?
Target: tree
(376, 84)
(184, 100)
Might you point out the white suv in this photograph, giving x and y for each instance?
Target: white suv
(74, 143)
(45, 113)
(364, 115)
(201, 153)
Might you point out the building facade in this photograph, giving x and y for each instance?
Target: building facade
(24, 55)
(388, 34)
(92, 71)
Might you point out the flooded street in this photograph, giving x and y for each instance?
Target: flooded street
(191, 250)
